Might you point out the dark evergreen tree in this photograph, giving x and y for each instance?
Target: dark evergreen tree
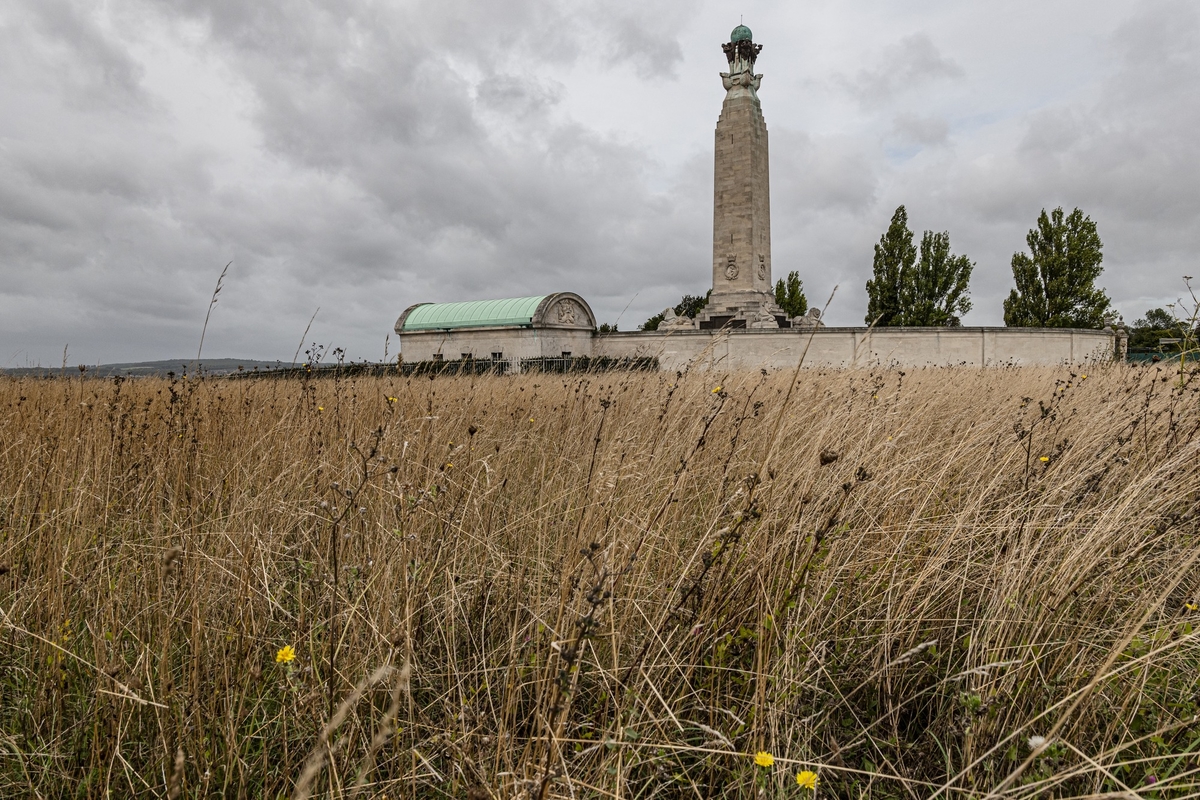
(789, 295)
(894, 255)
(689, 306)
(1056, 281)
(933, 291)
(653, 323)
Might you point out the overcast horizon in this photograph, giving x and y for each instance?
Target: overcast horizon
(360, 157)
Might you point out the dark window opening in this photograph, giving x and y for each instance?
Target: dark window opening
(497, 356)
(716, 323)
(437, 356)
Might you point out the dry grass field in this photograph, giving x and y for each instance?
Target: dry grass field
(934, 583)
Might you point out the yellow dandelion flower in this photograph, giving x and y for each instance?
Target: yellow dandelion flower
(320, 408)
(714, 391)
(1191, 606)
(1044, 459)
(285, 654)
(531, 419)
(449, 465)
(1083, 377)
(393, 400)
(763, 758)
(807, 780)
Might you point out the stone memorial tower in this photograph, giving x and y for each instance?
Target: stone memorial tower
(742, 290)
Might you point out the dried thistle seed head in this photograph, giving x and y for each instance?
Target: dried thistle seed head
(171, 560)
(828, 456)
(3, 569)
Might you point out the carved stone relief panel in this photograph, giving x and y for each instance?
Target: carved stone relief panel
(567, 313)
(731, 267)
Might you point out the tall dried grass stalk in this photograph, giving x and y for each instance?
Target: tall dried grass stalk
(211, 304)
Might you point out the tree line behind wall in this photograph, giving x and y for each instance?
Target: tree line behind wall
(928, 285)
(1055, 282)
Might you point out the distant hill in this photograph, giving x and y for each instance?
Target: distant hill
(211, 366)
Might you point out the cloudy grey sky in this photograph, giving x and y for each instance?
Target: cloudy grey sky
(360, 156)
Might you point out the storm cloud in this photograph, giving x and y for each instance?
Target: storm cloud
(359, 157)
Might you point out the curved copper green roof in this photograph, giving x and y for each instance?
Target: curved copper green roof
(473, 314)
(739, 33)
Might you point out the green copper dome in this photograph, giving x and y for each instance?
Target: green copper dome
(739, 33)
(512, 312)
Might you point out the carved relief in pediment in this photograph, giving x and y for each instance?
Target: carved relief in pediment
(568, 312)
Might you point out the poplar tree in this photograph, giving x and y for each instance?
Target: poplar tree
(790, 296)
(933, 291)
(907, 290)
(894, 256)
(1056, 281)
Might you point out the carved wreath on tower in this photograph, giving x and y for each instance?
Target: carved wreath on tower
(731, 267)
(762, 268)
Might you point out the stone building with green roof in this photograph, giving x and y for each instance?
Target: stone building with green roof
(550, 325)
